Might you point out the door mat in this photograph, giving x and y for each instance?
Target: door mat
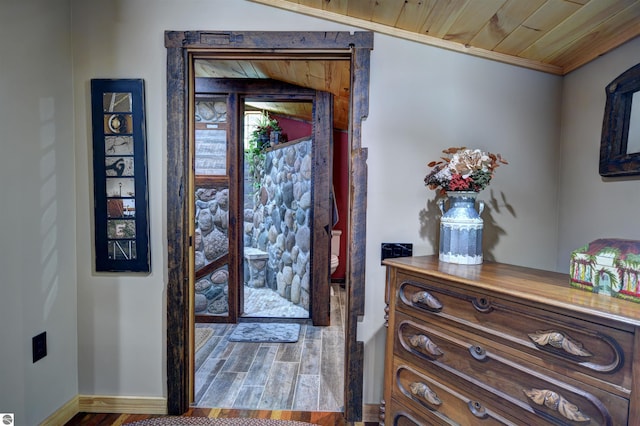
(265, 332)
(202, 335)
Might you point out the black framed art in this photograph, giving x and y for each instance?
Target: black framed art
(120, 175)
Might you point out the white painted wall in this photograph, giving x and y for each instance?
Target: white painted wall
(422, 101)
(590, 206)
(37, 208)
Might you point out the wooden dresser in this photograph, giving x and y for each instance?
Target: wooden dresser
(497, 344)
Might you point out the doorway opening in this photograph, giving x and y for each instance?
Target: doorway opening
(278, 215)
(180, 47)
(261, 211)
(261, 197)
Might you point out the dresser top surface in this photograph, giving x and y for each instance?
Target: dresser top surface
(535, 285)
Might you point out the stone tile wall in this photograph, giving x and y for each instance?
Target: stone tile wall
(279, 224)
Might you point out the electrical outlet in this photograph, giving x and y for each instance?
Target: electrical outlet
(391, 250)
(39, 346)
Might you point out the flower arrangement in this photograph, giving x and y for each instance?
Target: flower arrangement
(265, 126)
(463, 170)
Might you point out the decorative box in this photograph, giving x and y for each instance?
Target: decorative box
(608, 266)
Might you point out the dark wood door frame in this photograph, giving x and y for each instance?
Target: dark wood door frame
(180, 45)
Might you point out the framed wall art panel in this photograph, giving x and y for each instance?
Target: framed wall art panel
(120, 175)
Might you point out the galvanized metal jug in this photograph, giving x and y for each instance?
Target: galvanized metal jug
(461, 228)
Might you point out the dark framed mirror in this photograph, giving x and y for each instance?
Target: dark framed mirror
(620, 144)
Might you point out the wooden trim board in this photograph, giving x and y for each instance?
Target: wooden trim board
(122, 404)
(63, 414)
(106, 404)
(371, 413)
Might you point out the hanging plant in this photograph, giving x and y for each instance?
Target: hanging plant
(262, 133)
(255, 154)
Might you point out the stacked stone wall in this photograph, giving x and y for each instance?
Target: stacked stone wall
(212, 242)
(279, 224)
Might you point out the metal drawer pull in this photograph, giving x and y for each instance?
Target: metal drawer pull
(477, 409)
(426, 298)
(421, 341)
(420, 389)
(557, 403)
(482, 304)
(478, 352)
(558, 340)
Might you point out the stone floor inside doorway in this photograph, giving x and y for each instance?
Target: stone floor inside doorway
(307, 375)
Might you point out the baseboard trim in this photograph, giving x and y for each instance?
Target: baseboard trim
(371, 413)
(122, 404)
(106, 404)
(63, 414)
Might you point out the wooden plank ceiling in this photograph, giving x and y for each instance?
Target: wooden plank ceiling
(327, 74)
(553, 36)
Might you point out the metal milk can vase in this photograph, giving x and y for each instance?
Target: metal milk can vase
(461, 228)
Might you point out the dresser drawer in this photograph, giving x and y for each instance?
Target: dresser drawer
(398, 414)
(499, 379)
(570, 345)
(446, 402)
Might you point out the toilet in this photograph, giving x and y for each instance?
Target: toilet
(335, 249)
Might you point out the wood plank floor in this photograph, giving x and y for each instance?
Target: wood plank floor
(306, 375)
(316, 417)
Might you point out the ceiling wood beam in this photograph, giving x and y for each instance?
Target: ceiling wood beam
(408, 35)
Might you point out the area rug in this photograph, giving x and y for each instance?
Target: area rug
(205, 421)
(202, 335)
(263, 332)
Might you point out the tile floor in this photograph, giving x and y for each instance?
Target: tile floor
(302, 376)
(264, 302)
